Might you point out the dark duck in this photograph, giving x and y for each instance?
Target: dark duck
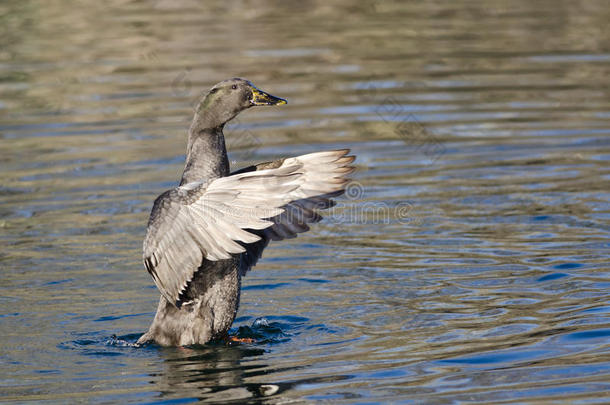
(204, 235)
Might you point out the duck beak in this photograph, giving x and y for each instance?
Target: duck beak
(261, 98)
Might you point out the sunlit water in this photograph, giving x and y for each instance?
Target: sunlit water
(468, 262)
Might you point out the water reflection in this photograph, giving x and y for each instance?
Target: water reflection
(215, 373)
(206, 373)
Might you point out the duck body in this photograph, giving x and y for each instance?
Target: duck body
(217, 286)
(204, 235)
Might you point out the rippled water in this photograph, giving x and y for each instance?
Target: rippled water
(468, 263)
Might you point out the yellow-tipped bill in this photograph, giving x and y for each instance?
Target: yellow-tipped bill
(261, 98)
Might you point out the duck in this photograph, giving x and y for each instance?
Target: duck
(204, 235)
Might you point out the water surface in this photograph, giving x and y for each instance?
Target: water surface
(467, 263)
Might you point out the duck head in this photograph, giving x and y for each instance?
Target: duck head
(227, 99)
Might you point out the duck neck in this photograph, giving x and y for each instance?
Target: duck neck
(206, 155)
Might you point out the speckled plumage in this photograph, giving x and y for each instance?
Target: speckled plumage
(204, 235)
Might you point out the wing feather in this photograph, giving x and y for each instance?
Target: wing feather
(238, 215)
(324, 179)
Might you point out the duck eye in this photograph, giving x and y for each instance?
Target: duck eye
(213, 91)
(234, 86)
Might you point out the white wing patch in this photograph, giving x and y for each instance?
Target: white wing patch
(209, 220)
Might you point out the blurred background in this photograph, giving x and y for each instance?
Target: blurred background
(467, 263)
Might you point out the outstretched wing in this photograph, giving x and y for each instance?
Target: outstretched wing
(321, 168)
(221, 218)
